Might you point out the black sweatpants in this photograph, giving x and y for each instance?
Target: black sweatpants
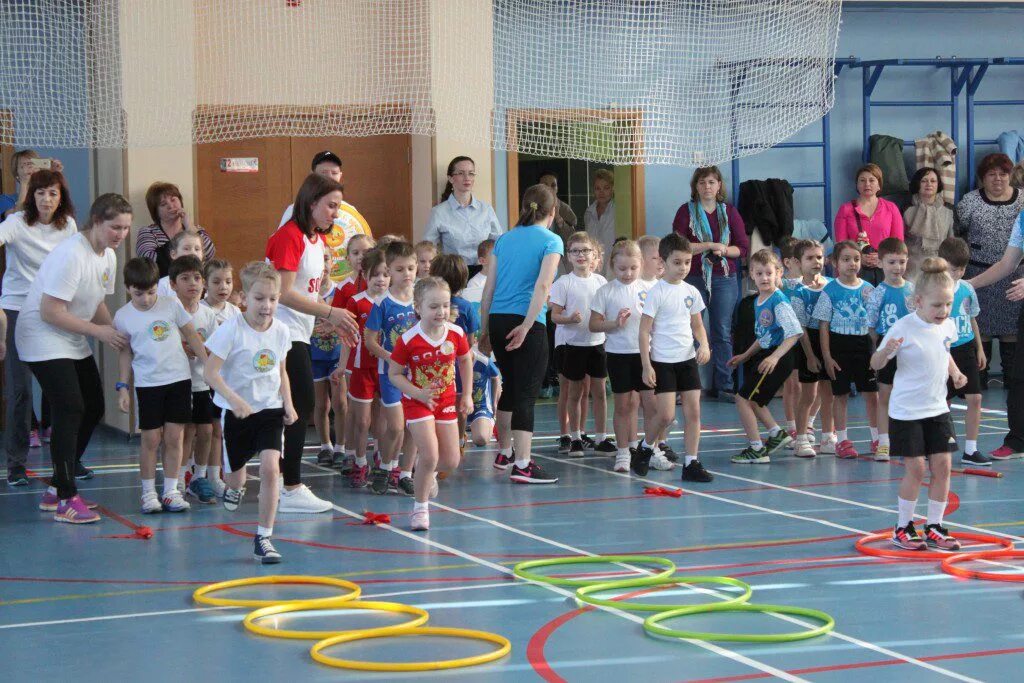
(75, 391)
(1013, 376)
(522, 370)
(300, 378)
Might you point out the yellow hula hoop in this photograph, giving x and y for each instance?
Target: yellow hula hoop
(251, 619)
(201, 595)
(504, 647)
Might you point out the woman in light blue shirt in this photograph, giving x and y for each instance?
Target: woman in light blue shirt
(460, 222)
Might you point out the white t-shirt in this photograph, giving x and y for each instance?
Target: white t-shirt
(158, 357)
(205, 322)
(225, 313)
(290, 249)
(612, 298)
(252, 361)
(474, 291)
(671, 307)
(163, 287)
(575, 293)
(922, 367)
(27, 246)
(75, 273)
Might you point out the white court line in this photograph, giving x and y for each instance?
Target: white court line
(850, 639)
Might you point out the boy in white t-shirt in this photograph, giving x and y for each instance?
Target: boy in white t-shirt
(673, 342)
(651, 270)
(156, 357)
(246, 370)
(185, 243)
(582, 351)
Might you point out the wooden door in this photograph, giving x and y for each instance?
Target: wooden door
(241, 210)
(377, 176)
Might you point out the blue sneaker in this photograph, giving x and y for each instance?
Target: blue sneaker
(263, 550)
(201, 489)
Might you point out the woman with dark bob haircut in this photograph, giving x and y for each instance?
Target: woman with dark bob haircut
(927, 221)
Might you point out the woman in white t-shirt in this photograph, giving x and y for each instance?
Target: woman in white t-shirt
(30, 236)
(64, 307)
(296, 251)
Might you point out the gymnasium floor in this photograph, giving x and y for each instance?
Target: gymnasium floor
(89, 603)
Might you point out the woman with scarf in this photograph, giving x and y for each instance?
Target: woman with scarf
(719, 241)
(927, 221)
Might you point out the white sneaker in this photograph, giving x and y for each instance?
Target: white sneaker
(420, 521)
(301, 500)
(811, 439)
(660, 462)
(151, 503)
(433, 488)
(175, 502)
(621, 463)
(828, 446)
(219, 487)
(803, 448)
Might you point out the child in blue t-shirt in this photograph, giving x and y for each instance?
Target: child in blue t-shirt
(791, 284)
(486, 390)
(768, 362)
(845, 341)
(967, 351)
(892, 299)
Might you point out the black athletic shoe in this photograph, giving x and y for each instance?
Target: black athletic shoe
(696, 472)
(564, 442)
(379, 478)
(502, 461)
(263, 550)
(17, 476)
(640, 460)
(588, 441)
(606, 446)
(976, 458)
(82, 472)
(576, 448)
(325, 458)
(670, 454)
(531, 474)
(406, 486)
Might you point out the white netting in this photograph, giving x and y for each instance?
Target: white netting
(621, 81)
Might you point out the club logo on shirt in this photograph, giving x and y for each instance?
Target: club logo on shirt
(688, 301)
(264, 360)
(447, 348)
(766, 318)
(159, 330)
(105, 278)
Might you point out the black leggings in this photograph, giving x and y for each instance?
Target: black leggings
(75, 392)
(1013, 377)
(300, 377)
(522, 370)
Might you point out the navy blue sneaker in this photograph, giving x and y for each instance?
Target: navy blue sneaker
(263, 550)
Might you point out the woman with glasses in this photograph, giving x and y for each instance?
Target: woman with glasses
(460, 222)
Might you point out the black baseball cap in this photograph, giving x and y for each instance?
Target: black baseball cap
(321, 157)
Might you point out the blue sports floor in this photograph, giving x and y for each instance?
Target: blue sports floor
(89, 604)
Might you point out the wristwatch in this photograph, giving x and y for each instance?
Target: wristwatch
(120, 385)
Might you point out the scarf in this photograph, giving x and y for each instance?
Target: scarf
(928, 223)
(699, 226)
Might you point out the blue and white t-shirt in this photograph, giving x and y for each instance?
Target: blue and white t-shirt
(484, 370)
(1017, 234)
(887, 304)
(774, 320)
(392, 318)
(803, 299)
(790, 285)
(844, 308)
(965, 308)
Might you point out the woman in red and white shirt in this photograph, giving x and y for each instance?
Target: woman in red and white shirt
(296, 251)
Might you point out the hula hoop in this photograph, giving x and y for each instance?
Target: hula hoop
(583, 593)
(504, 647)
(420, 618)
(949, 568)
(924, 555)
(520, 569)
(828, 623)
(201, 594)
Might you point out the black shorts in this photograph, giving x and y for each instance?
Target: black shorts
(625, 373)
(214, 408)
(202, 407)
(243, 439)
(888, 373)
(803, 372)
(583, 361)
(853, 354)
(921, 438)
(558, 358)
(966, 358)
(169, 403)
(676, 377)
(762, 391)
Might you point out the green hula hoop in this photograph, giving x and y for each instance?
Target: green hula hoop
(583, 593)
(522, 569)
(652, 626)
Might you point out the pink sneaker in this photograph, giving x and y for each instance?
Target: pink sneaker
(33, 439)
(50, 502)
(1002, 453)
(357, 479)
(874, 446)
(845, 449)
(420, 521)
(75, 511)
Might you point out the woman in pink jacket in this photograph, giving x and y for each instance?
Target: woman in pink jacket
(868, 220)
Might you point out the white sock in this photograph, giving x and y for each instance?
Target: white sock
(201, 471)
(652, 446)
(213, 471)
(507, 451)
(622, 452)
(936, 508)
(52, 490)
(883, 439)
(360, 461)
(772, 431)
(829, 436)
(387, 466)
(791, 425)
(406, 474)
(170, 485)
(339, 448)
(266, 532)
(874, 433)
(600, 436)
(575, 436)
(328, 446)
(148, 486)
(842, 434)
(523, 463)
(906, 511)
(971, 446)
(634, 444)
(756, 444)
(687, 459)
(420, 507)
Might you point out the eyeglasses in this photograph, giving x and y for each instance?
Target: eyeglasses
(580, 252)
(464, 174)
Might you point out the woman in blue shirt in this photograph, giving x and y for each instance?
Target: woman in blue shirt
(460, 222)
(519, 276)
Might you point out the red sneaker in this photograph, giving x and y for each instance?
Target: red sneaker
(938, 537)
(874, 446)
(1003, 453)
(906, 537)
(845, 450)
(357, 479)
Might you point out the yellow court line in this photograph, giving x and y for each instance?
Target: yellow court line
(995, 524)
